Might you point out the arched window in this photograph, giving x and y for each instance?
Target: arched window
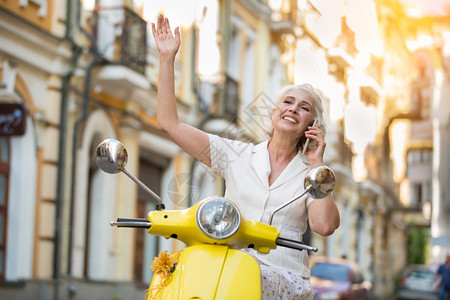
(20, 191)
(93, 178)
(95, 202)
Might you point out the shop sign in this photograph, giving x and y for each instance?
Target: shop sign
(12, 119)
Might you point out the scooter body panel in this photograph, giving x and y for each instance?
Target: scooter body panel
(241, 277)
(212, 272)
(182, 224)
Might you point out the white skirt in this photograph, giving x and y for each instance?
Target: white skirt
(280, 283)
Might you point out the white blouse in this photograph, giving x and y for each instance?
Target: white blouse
(246, 169)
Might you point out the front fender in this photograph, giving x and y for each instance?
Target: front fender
(211, 272)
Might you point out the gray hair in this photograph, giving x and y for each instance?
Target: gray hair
(318, 109)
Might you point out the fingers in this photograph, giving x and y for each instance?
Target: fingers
(161, 24)
(163, 27)
(154, 30)
(315, 155)
(167, 25)
(316, 134)
(177, 33)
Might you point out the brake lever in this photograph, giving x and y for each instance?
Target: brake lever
(294, 244)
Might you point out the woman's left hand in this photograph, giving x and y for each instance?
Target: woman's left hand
(166, 42)
(315, 155)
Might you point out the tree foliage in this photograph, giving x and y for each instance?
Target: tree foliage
(417, 245)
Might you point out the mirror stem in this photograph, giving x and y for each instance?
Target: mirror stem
(159, 204)
(287, 203)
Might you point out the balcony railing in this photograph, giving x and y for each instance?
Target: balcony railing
(221, 100)
(121, 36)
(229, 102)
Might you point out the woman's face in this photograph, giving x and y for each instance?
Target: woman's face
(294, 113)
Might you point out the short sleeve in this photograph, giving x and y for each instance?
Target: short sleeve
(225, 153)
(309, 200)
(215, 150)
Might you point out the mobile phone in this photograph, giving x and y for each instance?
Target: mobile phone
(307, 140)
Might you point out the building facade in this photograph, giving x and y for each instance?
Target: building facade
(77, 72)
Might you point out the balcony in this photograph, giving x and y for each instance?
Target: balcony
(283, 23)
(422, 131)
(221, 101)
(227, 102)
(341, 58)
(121, 37)
(342, 55)
(370, 90)
(338, 62)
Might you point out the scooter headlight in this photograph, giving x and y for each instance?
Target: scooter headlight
(218, 218)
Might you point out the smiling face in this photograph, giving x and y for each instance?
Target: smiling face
(293, 113)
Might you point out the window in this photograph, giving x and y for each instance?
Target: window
(248, 90)
(417, 157)
(4, 179)
(420, 193)
(234, 60)
(346, 223)
(41, 3)
(360, 235)
(417, 194)
(94, 206)
(94, 173)
(147, 246)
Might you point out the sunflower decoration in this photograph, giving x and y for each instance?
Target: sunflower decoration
(163, 266)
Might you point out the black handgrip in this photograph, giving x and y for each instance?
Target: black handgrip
(131, 222)
(294, 244)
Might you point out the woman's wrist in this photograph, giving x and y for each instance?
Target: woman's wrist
(167, 57)
(316, 164)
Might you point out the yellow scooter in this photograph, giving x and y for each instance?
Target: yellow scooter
(211, 266)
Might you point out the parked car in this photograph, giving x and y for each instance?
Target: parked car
(416, 283)
(337, 278)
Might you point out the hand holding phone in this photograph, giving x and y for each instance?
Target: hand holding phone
(307, 140)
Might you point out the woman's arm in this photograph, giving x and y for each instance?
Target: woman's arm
(323, 214)
(192, 140)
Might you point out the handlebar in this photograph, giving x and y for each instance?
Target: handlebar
(294, 244)
(143, 223)
(131, 222)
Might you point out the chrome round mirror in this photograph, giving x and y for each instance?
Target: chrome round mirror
(320, 182)
(111, 156)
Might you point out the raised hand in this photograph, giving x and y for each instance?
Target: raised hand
(189, 138)
(167, 43)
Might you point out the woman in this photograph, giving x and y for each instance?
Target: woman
(262, 177)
